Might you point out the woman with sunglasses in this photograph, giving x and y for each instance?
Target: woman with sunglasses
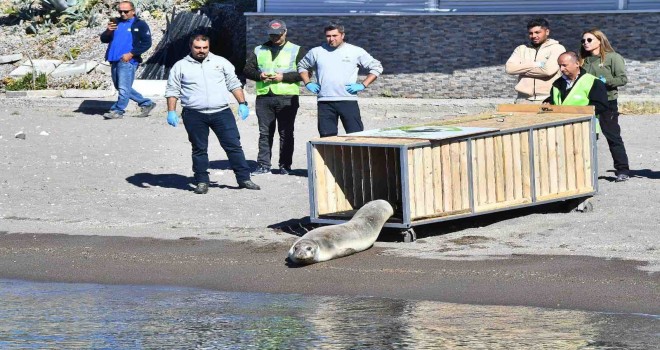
(598, 58)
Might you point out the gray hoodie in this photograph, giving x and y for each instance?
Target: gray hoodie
(202, 86)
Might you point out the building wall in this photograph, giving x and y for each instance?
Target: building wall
(463, 56)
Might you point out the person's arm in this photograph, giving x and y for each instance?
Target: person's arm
(173, 88)
(251, 69)
(598, 99)
(548, 68)
(144, 39)
(515, 66)
(618, 70)
(239, 95)
(109, 33)
(305, 65)
(171, 103)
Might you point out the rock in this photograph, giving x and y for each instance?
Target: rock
(68, 69)
(103, 67)
(20, 135)
(150, 88)
(43, 133)
(11, 58)
(41, 66)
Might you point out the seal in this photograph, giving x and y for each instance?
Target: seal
(355, 235)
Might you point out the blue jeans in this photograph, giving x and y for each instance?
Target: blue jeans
(123, 75)
(224, 127)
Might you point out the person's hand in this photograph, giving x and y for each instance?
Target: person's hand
(266, 76)
(172, 118)
(243, 111)
(539, 64)
(277, 77)
(354, 88)
(313, 87)
(602, 78)
(126, 57)
(112, 26)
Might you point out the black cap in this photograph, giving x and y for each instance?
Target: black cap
(276, 27)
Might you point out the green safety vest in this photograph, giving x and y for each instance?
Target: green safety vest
(285, 62)
(578, 96)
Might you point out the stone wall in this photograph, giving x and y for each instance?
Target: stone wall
(463, 56)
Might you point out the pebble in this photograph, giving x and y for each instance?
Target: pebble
(20, 135)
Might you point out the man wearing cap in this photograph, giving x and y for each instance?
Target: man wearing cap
(336, 63)
(273, 66)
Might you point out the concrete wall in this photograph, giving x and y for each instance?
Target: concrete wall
(463, 56)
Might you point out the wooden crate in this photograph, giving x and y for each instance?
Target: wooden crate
(535, 156)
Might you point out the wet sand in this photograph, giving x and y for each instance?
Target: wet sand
(561, 282)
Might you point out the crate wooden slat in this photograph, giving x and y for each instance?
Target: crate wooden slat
(535, 156)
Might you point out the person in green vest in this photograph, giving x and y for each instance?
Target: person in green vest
(273, 65)
(576, 87)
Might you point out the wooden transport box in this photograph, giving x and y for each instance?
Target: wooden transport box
(528, 155)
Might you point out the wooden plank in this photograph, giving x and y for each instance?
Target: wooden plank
(497, 206)
(499, 169)
(490, 169)
(482, 174)
(347, 170)
(455, 156)
(379, 172)
(509, 173)
(428, 180)
(411, 183)
(517, 155)
(465, 178)
(552, 160)
(561, 159)
(367, 194)
(555, 196)
(544, 172)
(320, 185)
(526, 167)
(447, 197)
(570, 157)
(392, 170)
(579, 156)
(420, 203)
(529, 108)
(358, 176)
(537, 162)
(331, 182)
(338, 172)
(586, 149)
(437, 178)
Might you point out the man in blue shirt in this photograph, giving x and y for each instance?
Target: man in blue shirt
(128, 38)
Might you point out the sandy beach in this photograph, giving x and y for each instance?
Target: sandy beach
(88, 200)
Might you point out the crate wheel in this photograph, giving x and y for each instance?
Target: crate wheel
(409, 235)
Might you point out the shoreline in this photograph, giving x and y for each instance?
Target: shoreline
(555, 282)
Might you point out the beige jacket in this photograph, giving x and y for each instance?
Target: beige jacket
(534, 82)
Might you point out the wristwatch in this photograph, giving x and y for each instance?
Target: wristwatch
(243, 103)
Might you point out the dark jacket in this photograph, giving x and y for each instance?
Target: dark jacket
(252, 71)
(597, 94)
(141, 39)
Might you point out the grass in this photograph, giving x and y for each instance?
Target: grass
(640, 108)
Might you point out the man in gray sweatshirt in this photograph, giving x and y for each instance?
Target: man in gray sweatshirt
(336, 64)
(199, 80)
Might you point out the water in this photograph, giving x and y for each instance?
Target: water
(90, 316)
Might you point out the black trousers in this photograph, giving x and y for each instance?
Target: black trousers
(612, 132)
(281, 111)
(329, 113)
(224, 126)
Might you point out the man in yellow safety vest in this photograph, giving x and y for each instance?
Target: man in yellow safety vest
(274, 67)
(576, 87)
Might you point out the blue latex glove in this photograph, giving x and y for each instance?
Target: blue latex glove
(243, 111)
(313, 87)
(354, 88)
(172, 118)
(540, 64)
(602, 78)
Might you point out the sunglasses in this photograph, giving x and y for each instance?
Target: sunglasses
(124, 12)
(587, 40)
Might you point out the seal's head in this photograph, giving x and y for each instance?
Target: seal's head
(305, 251)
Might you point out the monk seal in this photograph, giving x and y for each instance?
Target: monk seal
(329, 242)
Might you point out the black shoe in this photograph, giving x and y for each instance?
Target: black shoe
(285, 170)
(261, 170)
(144, 111)
(201, 188)
(622, 178)
(249, 185)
